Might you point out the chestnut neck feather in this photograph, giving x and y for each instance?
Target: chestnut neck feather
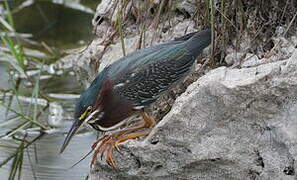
(115, 108)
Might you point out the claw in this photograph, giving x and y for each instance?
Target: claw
(104, 147)
(108, 163)
(116, 145)
(99, 148)
(101, 157)
(109, 158)
(111, 162)
(102, 150)
(94, 159)
(101, 140)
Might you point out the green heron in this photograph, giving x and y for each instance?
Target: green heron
(130, 84)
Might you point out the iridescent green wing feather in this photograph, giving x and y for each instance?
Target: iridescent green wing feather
(154, 74)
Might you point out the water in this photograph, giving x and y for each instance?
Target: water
(59, 26)
(49, 164)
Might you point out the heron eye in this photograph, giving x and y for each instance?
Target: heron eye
(89, 109)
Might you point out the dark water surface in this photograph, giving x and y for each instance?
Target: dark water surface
(59, 25)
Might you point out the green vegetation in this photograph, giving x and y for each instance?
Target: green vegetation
(16, 63)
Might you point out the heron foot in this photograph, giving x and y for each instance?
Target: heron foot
(105, 145)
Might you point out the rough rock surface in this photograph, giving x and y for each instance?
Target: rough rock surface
(186, 6)
(229, 124)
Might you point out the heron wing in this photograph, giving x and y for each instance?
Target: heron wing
(153, 75)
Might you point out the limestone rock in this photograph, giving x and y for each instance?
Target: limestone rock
(229, 124)
(250, 60)
(186, 6)
(234, 57)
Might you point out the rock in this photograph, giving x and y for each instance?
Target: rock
(229, 124)
(115, 51)
(250, 60)
(87, 60)
(234, 58)
(280, 30)
(284, 46)
(187, 6)
(105, 10)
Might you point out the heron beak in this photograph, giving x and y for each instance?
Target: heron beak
(83, 119)
(75, 126)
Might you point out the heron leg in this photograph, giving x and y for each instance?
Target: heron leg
(106, 144)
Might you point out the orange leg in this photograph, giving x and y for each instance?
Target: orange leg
(130, 136)
(106, 144)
